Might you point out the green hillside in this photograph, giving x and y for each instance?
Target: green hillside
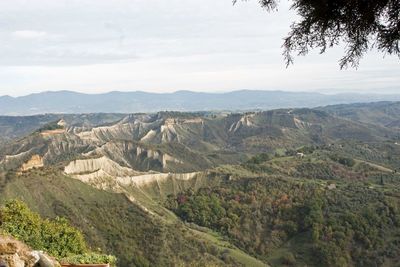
(287, 187)
(187, 142)
(113, 224)
(320, 210)
(378, 113)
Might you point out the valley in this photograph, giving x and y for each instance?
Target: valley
(199, 134)
(284, 187)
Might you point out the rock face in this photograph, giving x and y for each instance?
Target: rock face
(35, 161)
(142, 180)
(15, 254)
(107, 166)
(177, 142)
(245, 121)
(136, 156)
(62, 123)
(52, 132)
(92, 170)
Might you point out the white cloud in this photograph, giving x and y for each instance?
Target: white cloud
(163, 45)
(29, 34)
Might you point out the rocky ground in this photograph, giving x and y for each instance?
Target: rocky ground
(16, 254)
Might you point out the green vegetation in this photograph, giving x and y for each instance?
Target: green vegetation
(260, 218)
(90, 258)
(197, 141)
(284, 219)
(15, 127)
(50, 127)
(275, 208)
(284, 187)
(377, 113)
(56, 236)
(111, 223)
(349, 162)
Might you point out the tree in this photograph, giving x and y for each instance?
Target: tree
(359, 24)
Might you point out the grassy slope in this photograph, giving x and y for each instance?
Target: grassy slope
(109, 221)
(113, 224)
(153, 196)
(379, 113)
(236, 253)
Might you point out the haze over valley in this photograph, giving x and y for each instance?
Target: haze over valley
(136, 102)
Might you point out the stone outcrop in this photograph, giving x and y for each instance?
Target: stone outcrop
(152, 154)
(62, 123)
(92, 171)
(146, 179)
(245, 121)
(103, 164)
(52, 132)
(35, 161)
(132, 155)
(16, 254)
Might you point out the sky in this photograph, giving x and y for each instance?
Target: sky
(95, 46)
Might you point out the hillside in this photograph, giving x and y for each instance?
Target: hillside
(280, 209)
(111, 222)
(181, 142)
(280, 187)
(379, 113)
(319, 210)
(18, 126)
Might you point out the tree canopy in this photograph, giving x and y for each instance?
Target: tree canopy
(359, 24)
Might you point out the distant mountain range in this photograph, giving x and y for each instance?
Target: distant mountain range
(133, 102)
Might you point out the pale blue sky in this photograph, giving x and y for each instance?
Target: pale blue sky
(163, 46)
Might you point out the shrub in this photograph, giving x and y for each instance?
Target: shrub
(50, 127)
(90, 258)
(349, 162)
(56, 237)
(258, 159)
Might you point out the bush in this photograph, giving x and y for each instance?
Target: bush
(56, 237)
(50, 127)
(90, 258)
(349, 162)
(258, 159)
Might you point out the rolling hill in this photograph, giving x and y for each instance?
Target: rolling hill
(378, 113)
(182, 142)
(284, 187)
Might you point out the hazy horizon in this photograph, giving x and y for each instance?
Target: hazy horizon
(153, 46)
(322, 91)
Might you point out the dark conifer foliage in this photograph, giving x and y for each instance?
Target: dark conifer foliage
(360, 24)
